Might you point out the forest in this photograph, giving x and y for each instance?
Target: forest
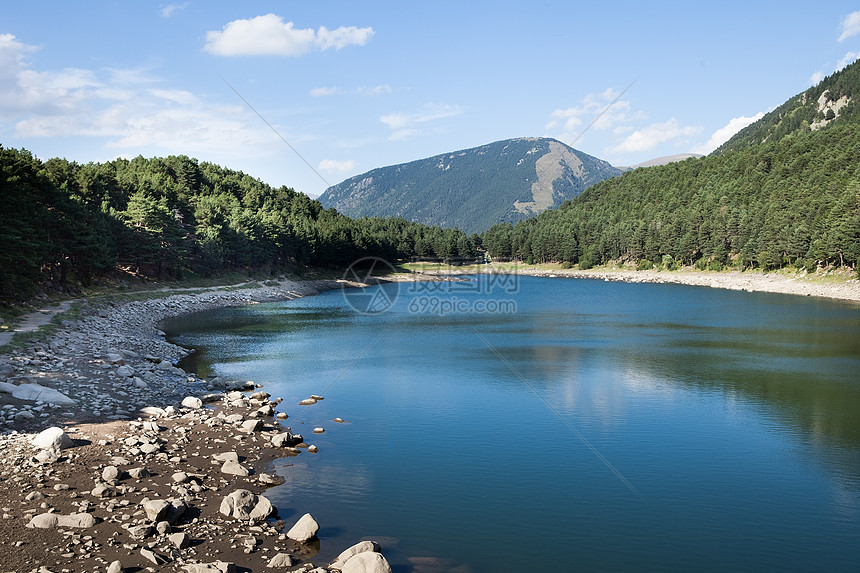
(782, 193)
(64, 223)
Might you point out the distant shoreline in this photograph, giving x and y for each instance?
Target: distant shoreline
(800, 284)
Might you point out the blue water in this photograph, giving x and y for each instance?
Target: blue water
(582, 425)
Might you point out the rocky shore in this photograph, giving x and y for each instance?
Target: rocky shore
(801, 284)
(144, 467)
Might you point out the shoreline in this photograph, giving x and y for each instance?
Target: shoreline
(800, 284)
(142, 434)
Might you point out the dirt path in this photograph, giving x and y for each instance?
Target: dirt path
(35, 320)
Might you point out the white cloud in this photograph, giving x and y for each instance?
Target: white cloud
(595, 107)
(335, 166)
(362, 90)
(816, 77)
(848, 58)
(651, 136)
(405, 125)
(126, 109)
(725, 133)
(325, 91)
(850, 26)
(167, 11)
(269, 35)
(375, 90)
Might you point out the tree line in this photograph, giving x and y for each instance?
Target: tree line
(64, 223)
(792, 201)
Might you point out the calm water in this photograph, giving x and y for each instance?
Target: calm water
(596, 426)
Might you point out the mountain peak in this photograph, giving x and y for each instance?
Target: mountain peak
(474, 188)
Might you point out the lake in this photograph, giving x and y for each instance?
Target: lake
(523, 423)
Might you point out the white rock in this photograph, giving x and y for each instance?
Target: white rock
(125, 371)
(115, 567)
(360, 547)
(53, 438)
(366, 562)
(192, 402)
(179, 540)
(305, 529)
(76, 520)
(234, 468)
(43, 521)
(319, 430)
(252, 425)
(156, 509)
(307, 402)
(244, 505)
(35, 392)
(280, 560)
(226, 457)
(216, 567)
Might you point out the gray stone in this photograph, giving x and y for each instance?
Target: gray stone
(179, 540)
(305, 529)
(81, 520)
(156, 509)
(234, 468)
(215, 567)
(102, 490)
(139, 473)
(226, 457)
(33, 392)
(192, 402)
(360, 547)
(43, 521)
(111, 474)
(280, 560)
(115, 567)
(244, 505)
(140, 531)
(163, 527)
(252, 425)
(152, 556)
(366, 562)
(125, 371)
(53, 438)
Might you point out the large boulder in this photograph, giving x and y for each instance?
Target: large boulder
(359, 547)
(192, 402)
(244, 505)
(53, 439)
(305, 529)
(366, 562)
(33, 392)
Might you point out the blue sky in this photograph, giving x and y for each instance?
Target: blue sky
(355, 85)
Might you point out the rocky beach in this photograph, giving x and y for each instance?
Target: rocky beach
(117, 460)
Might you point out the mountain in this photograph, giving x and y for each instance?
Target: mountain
(472, 189)
(783, 192)
(666, 160)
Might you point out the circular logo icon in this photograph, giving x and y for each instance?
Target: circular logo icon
(375, 297)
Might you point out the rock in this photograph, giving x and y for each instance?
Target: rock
(319, 430)
(152, 556)
(305, 529)
(214, 397)
(179, 540)
(216, 567)
(53, 438)
(286, 439)
(226, 457)
(313, 449)
(82, 520)
(252, 425)
(265, 412)
(150, 448)
(33, 392)
(43, 521)
(153, 411)
(338, 420)
(281, 416)
(163, 527)
(111, 474)
(116, 359)
(180, 477)
(234, 468)
(280, 560)
(115, 567)
(139, 473)
(260, 395)
(366, 562)
(244, 505)
(307, 402)
(140, 531)
(164, 365)
(192, 402)
(360, 547)
(125, 371)
(156, 509)
(102, 490)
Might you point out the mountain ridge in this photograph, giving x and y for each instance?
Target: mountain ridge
(507, 180)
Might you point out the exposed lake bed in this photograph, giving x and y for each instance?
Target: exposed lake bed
(451, 434)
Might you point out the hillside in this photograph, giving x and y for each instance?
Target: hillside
(472, 189)
(66, 224)
(785, 191)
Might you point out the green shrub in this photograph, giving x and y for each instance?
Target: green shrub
(644, 265)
